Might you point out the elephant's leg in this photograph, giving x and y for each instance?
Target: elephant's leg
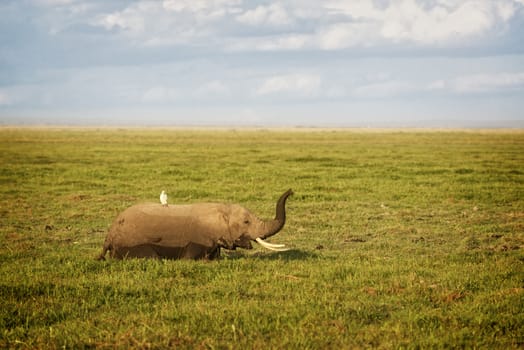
(139, 251)
(214, 254)
(194, 251)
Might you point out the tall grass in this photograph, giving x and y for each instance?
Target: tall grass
(400, 240)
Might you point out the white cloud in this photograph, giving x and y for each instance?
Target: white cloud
(480, 83)
(5, 99)
(302, 85)
(284, 42)
(385, 89)
(132, 19)
(343, 35)
(439, 24)
(436, 85)
(169, 23)
(357, 9)
(414, 21)
(488, 82)
(184, 5)
(506, 9)
(198, 5)
(53, 2)
(329, 25)
(160, 94)
(274, 14)
(214, 88)
(332, 37)
(202, 11)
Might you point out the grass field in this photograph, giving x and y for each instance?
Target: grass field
(400, 239)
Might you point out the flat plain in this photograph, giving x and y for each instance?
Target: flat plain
(400, 239)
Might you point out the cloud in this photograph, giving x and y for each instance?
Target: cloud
(330, 25)
(277, 42)
(436, 85)
(160, 94)
(385, 89)
(169, 23)
(171, 55)
(471, 84)
(201, 11)
(441, 21)
(132, 19)
(5, 99)
(273, 15)
(343, 35)
(185, 5)
(214, 88)
(299, 85)
(483, 83)
(53, 2)
(368, 24)
(199, 5)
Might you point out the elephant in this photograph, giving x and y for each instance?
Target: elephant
(192, 231)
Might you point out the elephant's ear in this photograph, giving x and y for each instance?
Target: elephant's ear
(232, 226)
(225, 240)
(224, 216)
(228, 241)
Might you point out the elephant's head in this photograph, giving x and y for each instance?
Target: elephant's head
(245, 227)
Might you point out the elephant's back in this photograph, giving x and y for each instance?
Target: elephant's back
(174, 210)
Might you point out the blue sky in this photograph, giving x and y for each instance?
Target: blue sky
(441, 63)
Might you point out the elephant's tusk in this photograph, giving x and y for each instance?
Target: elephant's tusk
(271, 246)
(267, 244)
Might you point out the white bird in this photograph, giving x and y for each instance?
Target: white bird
(163, 198)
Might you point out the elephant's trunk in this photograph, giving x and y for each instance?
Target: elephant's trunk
(275, 225)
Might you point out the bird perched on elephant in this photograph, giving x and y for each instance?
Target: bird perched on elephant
(163, 198)
(193, 231)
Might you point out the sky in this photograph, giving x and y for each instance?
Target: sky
(329, 63)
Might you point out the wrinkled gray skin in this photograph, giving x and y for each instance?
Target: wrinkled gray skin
(195, 231)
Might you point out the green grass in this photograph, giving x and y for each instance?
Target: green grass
(401, 239)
